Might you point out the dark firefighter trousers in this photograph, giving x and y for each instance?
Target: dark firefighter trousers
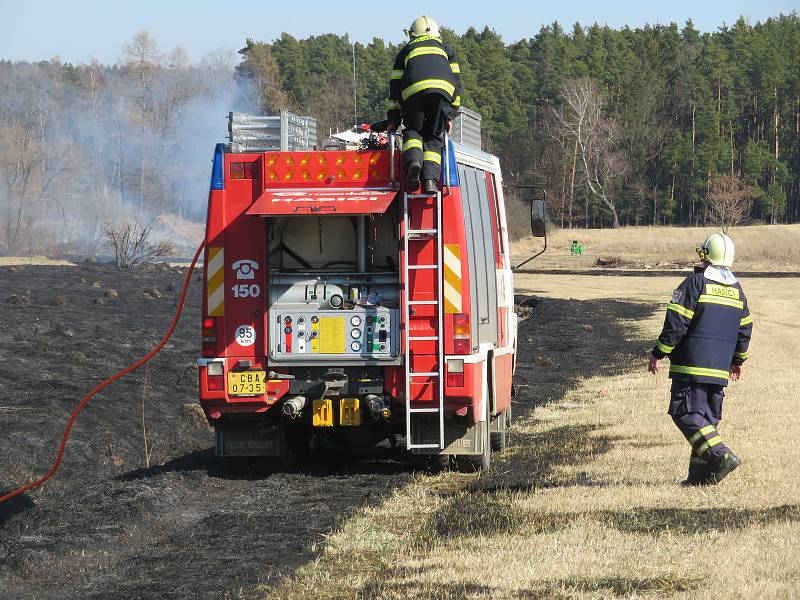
(425, 123)
(696, 408)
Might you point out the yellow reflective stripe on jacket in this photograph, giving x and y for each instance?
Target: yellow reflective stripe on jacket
(664, 348)
(681, 310)
(425, 50)
(392, 105)
(708, 299)
(412, 143)
(457, 101)
(455, 68)
(427, 84)
(433, 157)
(741, 354)
(746, 321)
(397, 74)
(699, 371)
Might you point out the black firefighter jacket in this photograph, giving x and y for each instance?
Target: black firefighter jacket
(706, 330)
(425, 65)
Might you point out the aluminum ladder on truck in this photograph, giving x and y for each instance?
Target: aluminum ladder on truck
(436, 376)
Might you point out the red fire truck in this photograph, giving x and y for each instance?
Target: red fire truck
(339, 305)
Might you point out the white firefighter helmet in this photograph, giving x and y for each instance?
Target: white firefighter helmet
(423, 26)
(718, 249)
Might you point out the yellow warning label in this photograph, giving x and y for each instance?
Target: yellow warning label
(331, 335)
(452, 278)
(349, 413)
(215, 281)
(722, 290)
(323, 413)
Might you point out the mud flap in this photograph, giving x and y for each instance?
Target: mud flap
(459, 439)
(250, 440)
(499, 423)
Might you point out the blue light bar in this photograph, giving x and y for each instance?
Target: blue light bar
(217, 171)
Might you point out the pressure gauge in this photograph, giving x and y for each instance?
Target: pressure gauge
(355, 320)
(356, 333)
(355, 346)
(336, 301)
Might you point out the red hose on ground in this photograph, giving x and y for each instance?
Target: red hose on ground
(106, 383)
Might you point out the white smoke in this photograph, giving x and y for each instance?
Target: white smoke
(83, 145)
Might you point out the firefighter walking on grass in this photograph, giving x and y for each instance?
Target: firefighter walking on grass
(424, 95)
(706, 335)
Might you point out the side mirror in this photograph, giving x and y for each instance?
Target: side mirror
(538, 217)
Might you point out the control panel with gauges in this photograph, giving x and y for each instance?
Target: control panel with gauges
(361, 333)
(338, 318)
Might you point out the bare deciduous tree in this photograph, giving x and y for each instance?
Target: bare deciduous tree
(130, 242)
(140, 56)
(729, 201)
(593, 137)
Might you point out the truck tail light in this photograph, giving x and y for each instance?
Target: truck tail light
(215, 381)
(461, 334)
(209, 337)
(455, 372)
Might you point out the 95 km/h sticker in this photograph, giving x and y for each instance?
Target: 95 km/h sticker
(245, 335)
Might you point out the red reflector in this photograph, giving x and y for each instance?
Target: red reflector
(242, 170)
(216, 383)
(251, 170)
(461, 346)
(208, 323)
(209, 349)
(455, 380)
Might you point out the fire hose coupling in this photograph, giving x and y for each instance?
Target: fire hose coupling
(377, 406)
(292, 407)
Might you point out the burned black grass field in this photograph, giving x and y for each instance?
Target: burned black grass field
(141, 508)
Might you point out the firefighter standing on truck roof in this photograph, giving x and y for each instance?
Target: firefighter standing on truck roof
(424, 94)
(706, 335)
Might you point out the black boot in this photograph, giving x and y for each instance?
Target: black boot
(412, 175)
(429, 186)
(699, 472)
(726, 464)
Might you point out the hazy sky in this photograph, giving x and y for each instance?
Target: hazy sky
(78, 30)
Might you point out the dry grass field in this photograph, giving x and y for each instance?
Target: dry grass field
(586, 502)
(759, 248)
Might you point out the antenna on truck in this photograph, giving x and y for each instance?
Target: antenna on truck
(355, 110)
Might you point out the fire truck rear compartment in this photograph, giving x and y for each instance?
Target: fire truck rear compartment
(333, 290)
